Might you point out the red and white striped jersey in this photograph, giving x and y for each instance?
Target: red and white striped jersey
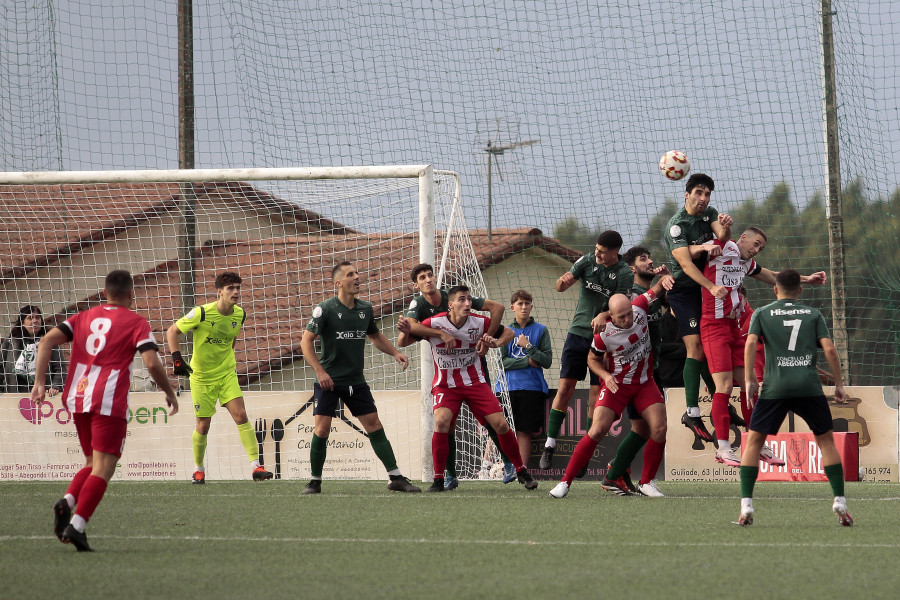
(727, 270)
(104, 340)
(629, 349)
(460, 366)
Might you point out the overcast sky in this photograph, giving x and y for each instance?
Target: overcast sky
(736, 85)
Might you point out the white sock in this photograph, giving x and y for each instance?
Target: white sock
(840, 500)
(550, 443)
(199, 468)
(70, 500)
(693, 411)
(746, 504)
(724, 445)
(394, 472)
(78, 523)
(254, 464)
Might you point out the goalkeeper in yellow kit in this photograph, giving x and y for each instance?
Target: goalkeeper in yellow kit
(212, 370)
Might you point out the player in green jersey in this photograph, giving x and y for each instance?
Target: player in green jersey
(694, 224)
(792, 333)
(602, 274)
(431, 301)
(212, 370)
(343, 323)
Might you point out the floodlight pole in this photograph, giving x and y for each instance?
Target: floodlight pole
(833, 209)
(187, 229)
(492, 152)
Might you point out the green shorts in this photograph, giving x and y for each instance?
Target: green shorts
(205, 394)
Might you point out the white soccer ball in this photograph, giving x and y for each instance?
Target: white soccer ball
(674, 165)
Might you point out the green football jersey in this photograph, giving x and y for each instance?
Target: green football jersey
(598, 283)
(420, 309)
(343, 333)
(214, 337)
(791, 332)
(685, 230)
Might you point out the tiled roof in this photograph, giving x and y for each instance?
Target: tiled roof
(43, 224)
(285, 278)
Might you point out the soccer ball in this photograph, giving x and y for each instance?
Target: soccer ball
(674, 165)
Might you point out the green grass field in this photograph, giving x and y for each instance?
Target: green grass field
(484, 540)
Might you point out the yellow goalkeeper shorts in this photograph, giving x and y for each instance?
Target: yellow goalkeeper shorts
(205, 394)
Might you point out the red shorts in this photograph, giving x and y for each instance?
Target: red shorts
(479, 397)
(100, 433)
(723, 344)
(643, 395)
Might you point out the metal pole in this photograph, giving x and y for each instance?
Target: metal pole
(187, 230)
(833, 210)
(489, 155)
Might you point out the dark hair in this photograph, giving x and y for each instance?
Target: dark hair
(788, 280)
(338, 267)
(758, 232)
(521, 295)
(118, 283)
(227, 278)
(18, 330)
(633, 253)
(699, 179)
(457, 289)
(611, 240)
(414, 274)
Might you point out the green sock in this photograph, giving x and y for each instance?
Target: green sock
(589, 423)
(554, 422)
(707, 378)
(692, 382)
(317, 450)
(198, 443)
(748, 480)
(835, 475)
(383, 450)
(628, 449)
(496, 440)
(248, 440)
(451, 454)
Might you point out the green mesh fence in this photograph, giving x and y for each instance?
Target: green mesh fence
(603, 89)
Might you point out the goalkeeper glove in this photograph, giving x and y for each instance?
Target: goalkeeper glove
(180, 367)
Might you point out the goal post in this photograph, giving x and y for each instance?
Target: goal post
(281, 229)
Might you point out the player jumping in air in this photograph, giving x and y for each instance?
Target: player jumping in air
(104, 340)
(792, 333)
(212, 371)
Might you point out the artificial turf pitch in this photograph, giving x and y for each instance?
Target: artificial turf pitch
(240, 539)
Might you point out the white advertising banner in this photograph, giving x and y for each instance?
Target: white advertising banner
(40, 443)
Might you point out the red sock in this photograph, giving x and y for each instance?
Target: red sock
(91, 494)
(440, 448)
(510, 447)
(653, 456)
(580, 458)
(721, 420)
(78, 482)
(746, 409)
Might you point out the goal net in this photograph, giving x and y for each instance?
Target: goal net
(282, 230)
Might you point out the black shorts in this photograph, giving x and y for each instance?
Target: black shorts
(687, 304)
(527, 409)
(768, 415)
(574, 359)
(358, 398)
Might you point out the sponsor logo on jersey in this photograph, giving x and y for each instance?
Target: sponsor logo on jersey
(473, 334)
(212, 340)
(317, 312)
(675, 231)
(350, 335)
(190, 314)
(795, 361)
(413, 304)
(596, 287)
(780, 312)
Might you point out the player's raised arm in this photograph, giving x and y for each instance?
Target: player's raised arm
(768, 276)
(683, 256)
(380, 341)
(308, 347)
(496, 310)
(722, 227)
(421, 331)
(565, 281)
